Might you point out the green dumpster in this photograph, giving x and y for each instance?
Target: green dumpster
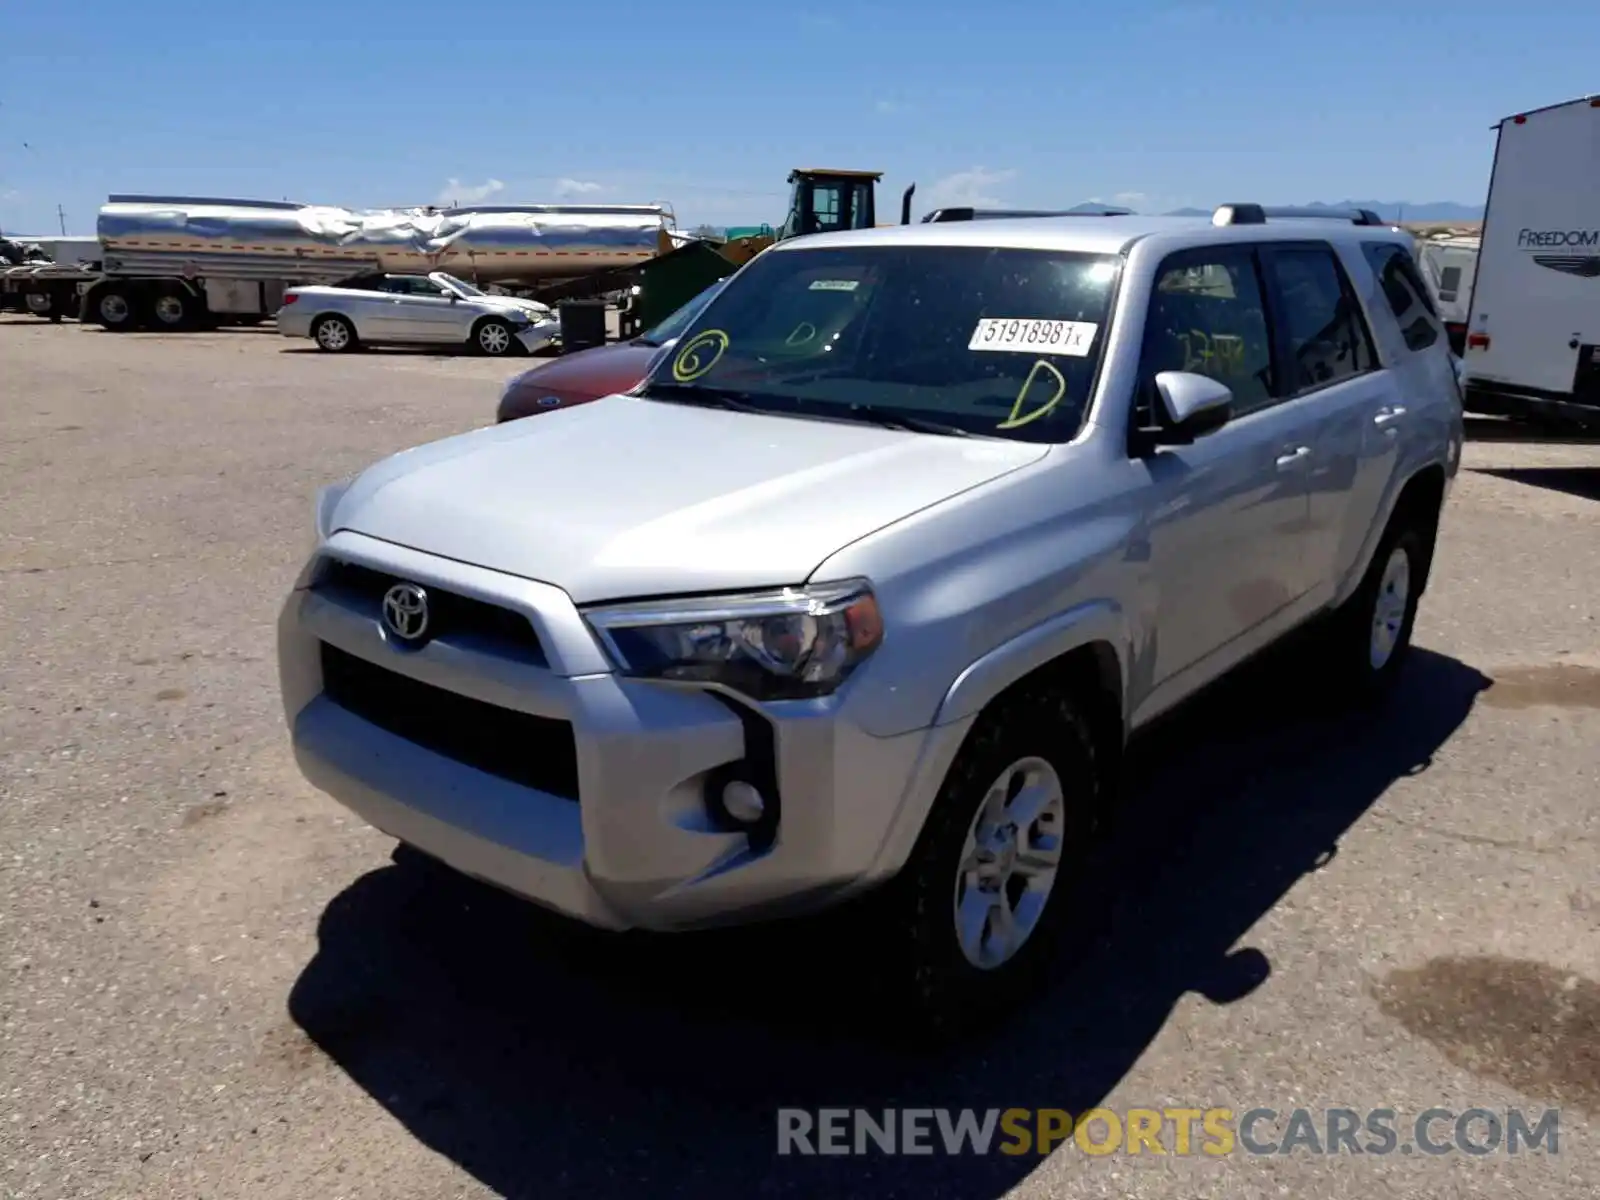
(669, 282)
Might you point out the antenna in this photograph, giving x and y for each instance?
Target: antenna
(62, 217)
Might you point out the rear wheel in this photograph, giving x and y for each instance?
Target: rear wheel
(173, 309)
(114, 309)
(334, 334)
(494, 338)
(1368, 638)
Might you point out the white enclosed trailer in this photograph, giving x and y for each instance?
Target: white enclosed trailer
(1533, 338)
(1449, 265)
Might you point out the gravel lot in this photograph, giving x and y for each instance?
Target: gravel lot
(217, 985)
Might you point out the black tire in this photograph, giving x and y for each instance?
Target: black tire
(115, 309)
(173, 310)
(334, 334)
(499, 333)
(1354, 662)
(944, 992)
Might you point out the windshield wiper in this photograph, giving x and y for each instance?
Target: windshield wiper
(891, 418)
(705, 397)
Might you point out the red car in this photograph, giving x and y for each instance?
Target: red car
(599, 371)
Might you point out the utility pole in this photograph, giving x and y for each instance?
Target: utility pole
(62, 217)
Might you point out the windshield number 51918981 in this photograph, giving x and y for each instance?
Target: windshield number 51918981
(1029, 336)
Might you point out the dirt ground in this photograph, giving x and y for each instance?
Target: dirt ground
(214, 983)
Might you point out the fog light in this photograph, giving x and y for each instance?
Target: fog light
(743, 802)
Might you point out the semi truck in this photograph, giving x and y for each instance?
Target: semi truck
(188, 262)
(39, 275)
(1533, 336)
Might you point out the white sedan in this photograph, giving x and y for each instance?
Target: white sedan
(436, 309)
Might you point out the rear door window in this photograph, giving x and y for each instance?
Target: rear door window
(1322, 332)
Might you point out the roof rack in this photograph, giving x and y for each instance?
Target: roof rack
(965, 213)
(1256, 214)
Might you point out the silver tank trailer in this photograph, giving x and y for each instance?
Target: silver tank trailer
(171, 235)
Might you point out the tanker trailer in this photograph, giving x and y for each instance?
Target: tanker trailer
(180, 262)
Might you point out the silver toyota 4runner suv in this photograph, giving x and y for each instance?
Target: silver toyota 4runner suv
(867, 585)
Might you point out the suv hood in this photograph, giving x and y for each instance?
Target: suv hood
(628, 497)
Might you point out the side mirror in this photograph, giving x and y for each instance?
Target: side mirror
(1191, 406)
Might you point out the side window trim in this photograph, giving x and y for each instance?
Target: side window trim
(1279, 326)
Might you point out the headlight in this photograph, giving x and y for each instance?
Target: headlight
(327, 500)
(787, 645)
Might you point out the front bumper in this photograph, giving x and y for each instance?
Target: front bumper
(539, 335)
(637, 848)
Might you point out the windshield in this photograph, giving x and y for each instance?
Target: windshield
(466, 289)
(674, 325)
(982, 341)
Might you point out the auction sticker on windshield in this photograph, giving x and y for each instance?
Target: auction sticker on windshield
(835, 285)
(1025, 336)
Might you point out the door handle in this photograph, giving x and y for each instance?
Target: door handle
(1392, 413)
(1285, 461)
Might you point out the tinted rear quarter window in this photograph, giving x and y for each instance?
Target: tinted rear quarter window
(1406, 293)
(1325, 336)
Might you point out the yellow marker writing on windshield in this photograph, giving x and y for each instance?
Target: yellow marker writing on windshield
(1049, 406)
(699, 354)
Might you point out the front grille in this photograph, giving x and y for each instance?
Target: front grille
(458, 618)
(536, 752)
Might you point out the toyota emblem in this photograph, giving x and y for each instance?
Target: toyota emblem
(405, 612)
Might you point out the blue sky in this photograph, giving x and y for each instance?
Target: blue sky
(1153, 103)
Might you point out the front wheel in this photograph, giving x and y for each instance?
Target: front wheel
(980, 911)
(335, 335)
(494, 338)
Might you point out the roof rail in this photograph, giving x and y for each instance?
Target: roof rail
(1256, 214)
(966, 213)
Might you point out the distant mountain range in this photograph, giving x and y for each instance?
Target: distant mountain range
(1388, 210)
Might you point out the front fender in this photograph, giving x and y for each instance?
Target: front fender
(1092, 621)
